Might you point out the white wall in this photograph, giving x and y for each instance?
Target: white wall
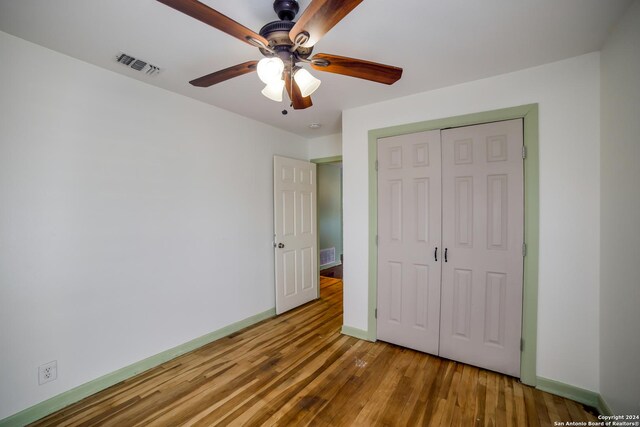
(620, 210)
(568, 96)
(128, 215)
(325, 146)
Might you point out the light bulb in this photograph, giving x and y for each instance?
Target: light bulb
(270, 69)
(273, 90)
(306, 82)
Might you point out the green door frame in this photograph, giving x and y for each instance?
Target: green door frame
(529, 113)
(334, 159)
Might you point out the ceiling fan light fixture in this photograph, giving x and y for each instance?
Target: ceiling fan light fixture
(273, 90)
(306, 82)
(286, 43)
(270, 69)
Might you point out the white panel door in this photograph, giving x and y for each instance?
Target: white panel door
(483, 216)
(295, 242)
(409, 227)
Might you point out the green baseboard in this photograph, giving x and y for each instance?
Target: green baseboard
(586, 397)
(355, 332)
(76, 394)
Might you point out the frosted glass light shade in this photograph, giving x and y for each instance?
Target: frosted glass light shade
(270, 69)
(306, 82)
(273, 90)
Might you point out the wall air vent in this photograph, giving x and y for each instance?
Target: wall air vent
(327, 256)
(137, 64)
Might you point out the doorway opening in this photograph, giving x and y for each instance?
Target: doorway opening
(329, 216)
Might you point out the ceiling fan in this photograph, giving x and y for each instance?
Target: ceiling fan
(286, 45)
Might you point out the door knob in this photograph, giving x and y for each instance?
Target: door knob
(280, 245)
(445, 254)
(436, 254)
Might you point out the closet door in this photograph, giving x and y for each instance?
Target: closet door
(409, 230)
(483, 215)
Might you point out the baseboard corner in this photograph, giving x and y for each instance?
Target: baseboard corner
(603, 407)
(355, 332)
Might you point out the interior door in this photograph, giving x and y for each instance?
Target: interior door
(295, 241)
(409, 229)
(483, 206)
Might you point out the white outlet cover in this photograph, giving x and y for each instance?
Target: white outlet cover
(47, 372)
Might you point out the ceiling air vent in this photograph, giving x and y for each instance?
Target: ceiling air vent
(137, 64)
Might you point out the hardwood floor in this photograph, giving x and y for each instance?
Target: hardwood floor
(277, 373)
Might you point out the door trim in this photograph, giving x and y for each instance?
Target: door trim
(529, 114)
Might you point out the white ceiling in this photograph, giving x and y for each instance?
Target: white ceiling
(437, 42)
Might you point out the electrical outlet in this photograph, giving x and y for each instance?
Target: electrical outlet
(47, 372)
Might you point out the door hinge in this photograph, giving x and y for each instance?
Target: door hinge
(524, 152)
(375, 313)
(521, 344)
(524, 249)
(376, 165)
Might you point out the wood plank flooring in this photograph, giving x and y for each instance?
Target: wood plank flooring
(278, 373)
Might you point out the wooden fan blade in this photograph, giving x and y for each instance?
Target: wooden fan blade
(226, 74)
(321, 16)
(210, 16)
(359, 68)
(298, 101)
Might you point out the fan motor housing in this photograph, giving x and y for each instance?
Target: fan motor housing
(277, 33)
